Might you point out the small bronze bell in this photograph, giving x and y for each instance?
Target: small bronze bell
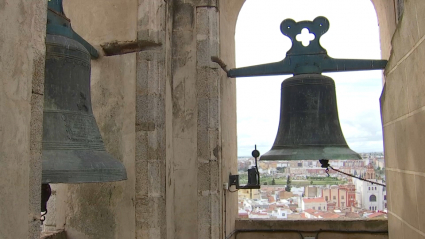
(309, 126)
(73, 150)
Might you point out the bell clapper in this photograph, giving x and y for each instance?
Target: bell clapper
(46, 191)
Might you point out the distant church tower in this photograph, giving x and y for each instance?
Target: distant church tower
(370, 172)
(370, 196)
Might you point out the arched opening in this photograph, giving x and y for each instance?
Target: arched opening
(259, 40)
(372, 198)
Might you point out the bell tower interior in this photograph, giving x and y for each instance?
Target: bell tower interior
(167, 112)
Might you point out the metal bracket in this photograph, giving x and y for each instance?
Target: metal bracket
(311, 59)
(253, 175)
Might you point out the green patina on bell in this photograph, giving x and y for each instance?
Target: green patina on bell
(73, 149)
(309, 126)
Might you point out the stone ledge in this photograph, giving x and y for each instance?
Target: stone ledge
(376, 225)
(303, 228)
(60, 234)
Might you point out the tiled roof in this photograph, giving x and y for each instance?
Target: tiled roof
(376, 214)
(314, 200)
(330, 215)
(310, 211)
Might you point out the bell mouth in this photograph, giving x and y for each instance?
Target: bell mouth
(285, 153)
(81, 166)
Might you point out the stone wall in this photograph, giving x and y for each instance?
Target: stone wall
(294, 229)
(22, 53)
(229, 11)
(402, 105)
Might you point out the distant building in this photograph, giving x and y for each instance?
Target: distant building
(249, 194)
(342, 196)
(370, 196)
(312, 192)
(281, 213)
(318, 204)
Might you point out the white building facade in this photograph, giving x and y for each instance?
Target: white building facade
(370, 196)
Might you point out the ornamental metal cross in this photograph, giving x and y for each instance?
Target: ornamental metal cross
(306, 56)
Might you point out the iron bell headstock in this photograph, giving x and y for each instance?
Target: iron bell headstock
(292, 29)
(59, 24)
(311, 59)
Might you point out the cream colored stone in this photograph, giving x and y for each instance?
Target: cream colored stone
(410, 233)
(407, 33)
(311, 225)
(394, 100)
(420, 9)
(403, 197)
(186, 207)
(415, 81)
(387, 25)
(103, 21)
(151, 21)
(402, 144)
(393, 184)
(390, 146)
(21, 52)
(420, 193)
(229, 11)
(414, 148)
(395, 227)
(262, 235)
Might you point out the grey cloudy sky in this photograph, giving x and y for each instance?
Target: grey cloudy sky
(353, 33)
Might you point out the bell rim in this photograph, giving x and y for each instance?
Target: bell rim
(81, 166)
(310, 153)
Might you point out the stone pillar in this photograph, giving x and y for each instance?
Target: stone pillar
(150, 201)
(22, 55)
(403, 117)
(229, 11)
(209, 122)
(196, 120)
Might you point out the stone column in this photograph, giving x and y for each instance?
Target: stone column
(22, 55)
(196, 120)
(229, 11)
(150, 203)
(209, 122)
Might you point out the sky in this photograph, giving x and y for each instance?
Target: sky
(353, 34)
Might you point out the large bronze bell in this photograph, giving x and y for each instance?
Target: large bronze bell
(309, 127)
(73, 150)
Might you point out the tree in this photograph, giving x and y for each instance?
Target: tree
(288, 184)
(273, 182)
